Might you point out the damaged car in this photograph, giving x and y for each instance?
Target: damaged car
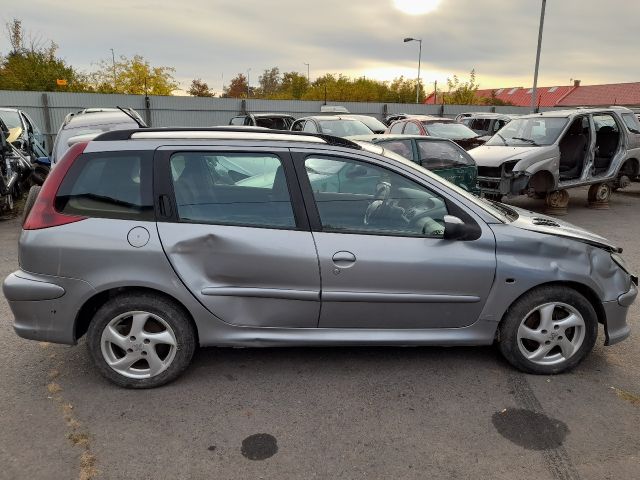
(546, 153)
(139, 241)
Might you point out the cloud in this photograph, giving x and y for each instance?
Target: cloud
(207, 39)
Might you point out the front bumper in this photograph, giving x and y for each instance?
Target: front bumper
(509, 185)
(45, 307)
(616, 328)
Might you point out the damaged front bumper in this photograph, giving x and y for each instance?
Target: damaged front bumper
(616, 327)
(508, 183)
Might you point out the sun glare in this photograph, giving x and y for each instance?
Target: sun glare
(416, 7)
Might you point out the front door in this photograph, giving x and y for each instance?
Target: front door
(383, 260)
(236, 239)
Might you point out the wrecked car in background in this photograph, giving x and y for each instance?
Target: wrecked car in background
(24, 134)
(274, 121)
(543, 154)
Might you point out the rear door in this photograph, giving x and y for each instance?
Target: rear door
(384, 262)
(234, 229)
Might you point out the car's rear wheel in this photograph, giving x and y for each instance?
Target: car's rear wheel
(141, 340)
(548, 330)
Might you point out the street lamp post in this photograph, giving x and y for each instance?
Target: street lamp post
(534, 90)
(308, 78)
(113, 58)
(419, 40)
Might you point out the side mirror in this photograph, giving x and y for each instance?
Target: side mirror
(454, 228)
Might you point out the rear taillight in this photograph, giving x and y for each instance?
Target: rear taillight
(44, 214)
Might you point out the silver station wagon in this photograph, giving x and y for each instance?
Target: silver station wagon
(153, 242)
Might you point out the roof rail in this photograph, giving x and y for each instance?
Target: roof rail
(115, 135)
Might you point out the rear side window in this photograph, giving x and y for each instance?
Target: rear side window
(396, 127)
(108, 185)
(241, 189)
(411, 129)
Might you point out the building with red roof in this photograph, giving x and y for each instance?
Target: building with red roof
(576, 95)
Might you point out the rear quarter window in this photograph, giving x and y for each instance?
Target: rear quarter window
(108, 185)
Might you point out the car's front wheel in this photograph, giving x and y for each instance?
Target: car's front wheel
(548, 330)
(141, 340)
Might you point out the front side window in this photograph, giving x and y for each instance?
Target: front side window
(108, 185)
(310, 127)
(441, 154)
(297, 126)
(358, 197)
(237, 121)
(231, 189)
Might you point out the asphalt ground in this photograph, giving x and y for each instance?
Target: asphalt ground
(328, 413)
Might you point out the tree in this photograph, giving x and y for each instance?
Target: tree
(494, 100)
(35, 67)
(133, 76)
(237, 88)
(293, 86)
(200, 89)
(270, 83)
(462, 93)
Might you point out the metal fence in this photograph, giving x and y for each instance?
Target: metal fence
(48, 109)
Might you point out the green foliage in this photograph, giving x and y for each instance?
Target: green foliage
(199, 88)
(35, 67)
(133, 76)
(461, 93)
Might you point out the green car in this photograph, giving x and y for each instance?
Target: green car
(440, 155)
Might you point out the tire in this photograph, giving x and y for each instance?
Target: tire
(39, 174)
(141, 340)
(30, 201)
(523, 337)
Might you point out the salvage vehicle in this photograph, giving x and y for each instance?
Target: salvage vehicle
(275, 121)
(24, 134)
(16, 172)
(336, 125)
(486, 123)
(440, 155)
(437, 127)
(155, 255)
(546, 153)
(89, 123)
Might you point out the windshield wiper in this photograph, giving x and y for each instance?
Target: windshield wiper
(502, 138)
(530, 140)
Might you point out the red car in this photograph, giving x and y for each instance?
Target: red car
(437, 127)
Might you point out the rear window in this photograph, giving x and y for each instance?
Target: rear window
(108, 185)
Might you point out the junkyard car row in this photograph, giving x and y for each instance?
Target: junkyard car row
(153, 242)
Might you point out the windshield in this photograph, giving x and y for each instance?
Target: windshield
(11, 118)
(344, 128)
(532, 131)
(452, 130)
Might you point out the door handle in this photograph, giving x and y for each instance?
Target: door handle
(343, 259)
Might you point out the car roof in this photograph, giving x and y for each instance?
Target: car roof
(261, 115)
(346, 116)
(493, 115)
(388, 137)
(576, 111)
(424, 118)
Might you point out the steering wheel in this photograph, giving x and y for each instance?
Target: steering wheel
(379, 205)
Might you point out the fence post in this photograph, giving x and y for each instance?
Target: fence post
(47, 121)
(147, 110)
(384, 111)
(441, 110)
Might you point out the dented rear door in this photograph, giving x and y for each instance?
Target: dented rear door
(233, 228)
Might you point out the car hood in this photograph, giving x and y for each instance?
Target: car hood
(535, 222)
(496, 155)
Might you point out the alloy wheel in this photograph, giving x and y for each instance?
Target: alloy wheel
(551, 333)
(138, 344)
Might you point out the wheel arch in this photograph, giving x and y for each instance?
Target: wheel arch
(631, 166)
(581, 288)
(91, 306)
(542, 181)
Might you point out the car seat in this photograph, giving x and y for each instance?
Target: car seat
(573, 148)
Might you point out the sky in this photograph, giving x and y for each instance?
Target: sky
(590, 40)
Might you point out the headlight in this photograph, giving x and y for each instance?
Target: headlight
(508, 166)
(620, 262)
